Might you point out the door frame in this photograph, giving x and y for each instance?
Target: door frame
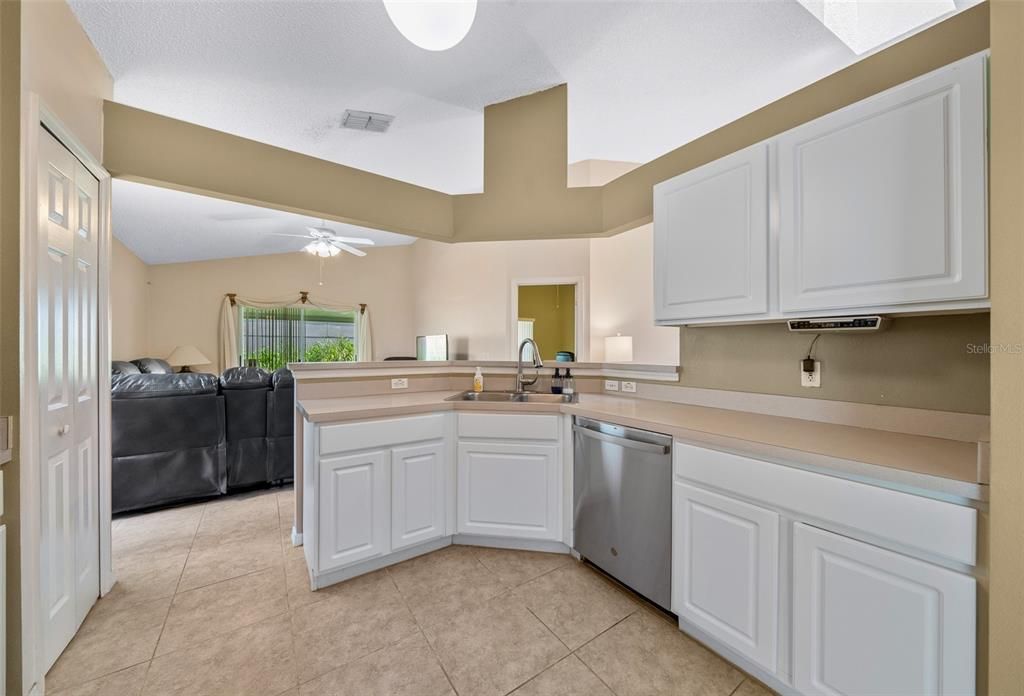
(582, 329)
(34, 115)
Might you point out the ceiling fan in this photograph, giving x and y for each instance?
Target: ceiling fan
(325, 243)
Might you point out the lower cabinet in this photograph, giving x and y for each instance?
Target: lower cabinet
(870, 621)
(354, 508)
(417, 494)
(725, 570)
(509, 489)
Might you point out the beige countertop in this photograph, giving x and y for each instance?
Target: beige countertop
(926, 465)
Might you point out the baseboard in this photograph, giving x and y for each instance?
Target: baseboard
(506, 543)
(296, 537)
(760, 673)
(333, 577)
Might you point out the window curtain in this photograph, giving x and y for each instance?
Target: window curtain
(228, 353)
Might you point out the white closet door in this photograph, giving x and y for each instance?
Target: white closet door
(69, 425)
(870, 621)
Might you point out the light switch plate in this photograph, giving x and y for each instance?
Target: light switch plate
(611, 385)
(400, 383)
(810, 379)
(629, 387)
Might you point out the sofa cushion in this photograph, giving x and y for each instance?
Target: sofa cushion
(282, 379)
(245, 378)
(153, 366)
(123, 367)
(148, 386)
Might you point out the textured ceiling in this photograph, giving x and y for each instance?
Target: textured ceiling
(644, 77)
(166, 226)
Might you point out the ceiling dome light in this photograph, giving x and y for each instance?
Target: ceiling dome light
(435, 25)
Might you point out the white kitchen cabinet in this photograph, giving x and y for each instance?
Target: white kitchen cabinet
(711, 239)
(870, 621)
(725, 570)
(883, 203)
(418, 493)
(354, 508)
(509, 489)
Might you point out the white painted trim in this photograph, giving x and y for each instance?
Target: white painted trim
(495, 542)
(333, 577)
(296, 537)
(582, 337)
(34, 114)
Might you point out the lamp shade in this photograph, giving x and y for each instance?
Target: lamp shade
(618, 348)
(183, 356)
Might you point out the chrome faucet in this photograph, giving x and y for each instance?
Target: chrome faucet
(521, 382)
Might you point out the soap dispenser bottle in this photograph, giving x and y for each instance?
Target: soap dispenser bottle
(556, 382)
(478, 380)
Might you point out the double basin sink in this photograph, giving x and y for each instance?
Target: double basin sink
(515, 397)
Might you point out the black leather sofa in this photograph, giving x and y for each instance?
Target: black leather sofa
(178, 437)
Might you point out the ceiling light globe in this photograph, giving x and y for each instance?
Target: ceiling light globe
(433, 25)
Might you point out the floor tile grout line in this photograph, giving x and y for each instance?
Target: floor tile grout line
(632, 613)
(419, 626)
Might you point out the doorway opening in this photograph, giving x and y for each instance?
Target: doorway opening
(550, 311)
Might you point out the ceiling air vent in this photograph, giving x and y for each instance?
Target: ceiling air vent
(366, 121)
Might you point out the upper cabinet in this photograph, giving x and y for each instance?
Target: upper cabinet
(711, 239)
(883, 203)
(877, 207)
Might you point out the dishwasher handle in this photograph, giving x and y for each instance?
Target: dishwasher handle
(622, 441)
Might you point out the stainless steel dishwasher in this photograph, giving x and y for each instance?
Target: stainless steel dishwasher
(622, 505)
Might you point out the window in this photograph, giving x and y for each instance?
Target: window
(272, 338)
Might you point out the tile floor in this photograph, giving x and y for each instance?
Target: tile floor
(213, 599)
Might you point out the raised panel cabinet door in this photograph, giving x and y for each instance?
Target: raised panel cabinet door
(870, 621)
(883, 203)
(354, 508)
(417, 494)
(725, 570)
(711, 239)
(509, 489)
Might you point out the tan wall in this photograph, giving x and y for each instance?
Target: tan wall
(464, 290)
(1006, 637)
(553, 310)
(918, 362)
(10, 311)
(63, 67)
(622, 298)
(129, 304)
(185, 298)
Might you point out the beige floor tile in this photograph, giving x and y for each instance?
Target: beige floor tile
(163, 532)
(111, 639)
(493, 649)
(254, 661)
(576, 603)
(127, 682)
(143, 577)
(356, 618)
(646, 655)
(297, 579)
(517, 567)
(441, 584)
(570, 677)
(217, 609)
(223, 557)
(246, 516)
(753, 688)
(407, 668)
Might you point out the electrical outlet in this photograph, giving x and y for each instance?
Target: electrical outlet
(810, 379)
(611, 385)
(629, 387)
(400, 383)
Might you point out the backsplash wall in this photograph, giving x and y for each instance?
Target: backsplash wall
(916, 362)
